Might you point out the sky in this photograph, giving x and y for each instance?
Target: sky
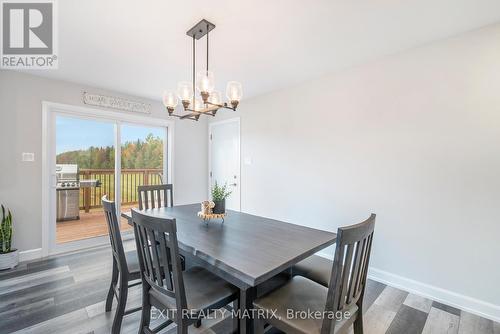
(79, 134)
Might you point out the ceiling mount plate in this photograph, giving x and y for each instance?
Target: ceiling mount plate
(200, 29)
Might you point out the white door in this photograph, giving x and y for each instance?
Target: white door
(224, 158)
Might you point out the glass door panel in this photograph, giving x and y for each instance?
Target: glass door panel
(142, 161)
(85, 171)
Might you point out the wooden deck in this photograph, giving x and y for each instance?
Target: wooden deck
(90, 225)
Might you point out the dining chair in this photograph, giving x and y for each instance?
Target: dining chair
(340, 304)
(158, 196)
(126, 271)
(155, 196)
(183, 297)
(316, 268)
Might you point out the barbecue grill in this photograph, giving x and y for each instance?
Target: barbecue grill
(68, 191)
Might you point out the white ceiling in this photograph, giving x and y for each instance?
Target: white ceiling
(140, 47)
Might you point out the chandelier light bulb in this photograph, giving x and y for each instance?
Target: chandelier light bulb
(170, 100)
(198, 105)
(185, 91)
(215, 97)
(205, 81)
(234, 91)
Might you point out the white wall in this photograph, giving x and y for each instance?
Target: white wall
(415, 138)
(21, 97)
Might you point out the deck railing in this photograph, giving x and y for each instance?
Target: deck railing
(90, 198)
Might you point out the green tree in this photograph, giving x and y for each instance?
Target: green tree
(138, 154)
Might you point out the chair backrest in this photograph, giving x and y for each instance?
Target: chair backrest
(155, 196)
(159, 260)
(114, 234)
(350, 269)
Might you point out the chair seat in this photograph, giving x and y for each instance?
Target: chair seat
(203, 290)
(132, 262)
(316, 268)
(300, 294)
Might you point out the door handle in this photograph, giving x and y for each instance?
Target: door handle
(234, 184)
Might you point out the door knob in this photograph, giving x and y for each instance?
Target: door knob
(234, 184)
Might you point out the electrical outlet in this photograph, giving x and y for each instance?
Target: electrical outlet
(29, 157)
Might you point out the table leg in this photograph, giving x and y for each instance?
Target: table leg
(246, 303)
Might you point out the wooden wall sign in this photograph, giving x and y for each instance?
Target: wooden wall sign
(116, 103)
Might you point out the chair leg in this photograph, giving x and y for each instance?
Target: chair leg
(182, 328)
(258, 325)
(358, 324)
(120, 308)
(111, 293)
(146, 310)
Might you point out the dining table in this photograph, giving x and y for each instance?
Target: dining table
(245, 249)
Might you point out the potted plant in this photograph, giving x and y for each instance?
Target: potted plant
(9, 258)
(219, 195)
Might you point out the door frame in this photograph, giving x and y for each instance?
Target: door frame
(210, 125)
(49, 111)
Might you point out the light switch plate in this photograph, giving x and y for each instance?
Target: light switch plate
(28, 156)
(248, 160)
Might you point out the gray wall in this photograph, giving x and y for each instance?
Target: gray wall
(414, 137)
(21, 97)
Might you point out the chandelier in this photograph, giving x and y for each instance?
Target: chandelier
(203, 83)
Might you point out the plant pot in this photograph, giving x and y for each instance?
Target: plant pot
(220, 207)
(9, 260)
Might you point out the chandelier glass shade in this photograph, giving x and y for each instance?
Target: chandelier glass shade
(185, 91)
(198, 105)
(215, 97)
(203, 83)
(170, 100)
(234, 91)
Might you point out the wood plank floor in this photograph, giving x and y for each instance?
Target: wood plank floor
(91, 224)
(65, 294)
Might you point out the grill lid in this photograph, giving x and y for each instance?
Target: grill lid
(66, 173)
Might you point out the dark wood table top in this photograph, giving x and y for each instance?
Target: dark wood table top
(250, 248)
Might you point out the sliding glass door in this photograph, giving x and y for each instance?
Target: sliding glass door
(142, 161)
(90, 156)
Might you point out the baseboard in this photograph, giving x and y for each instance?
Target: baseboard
(466, 303)
(30, 254)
